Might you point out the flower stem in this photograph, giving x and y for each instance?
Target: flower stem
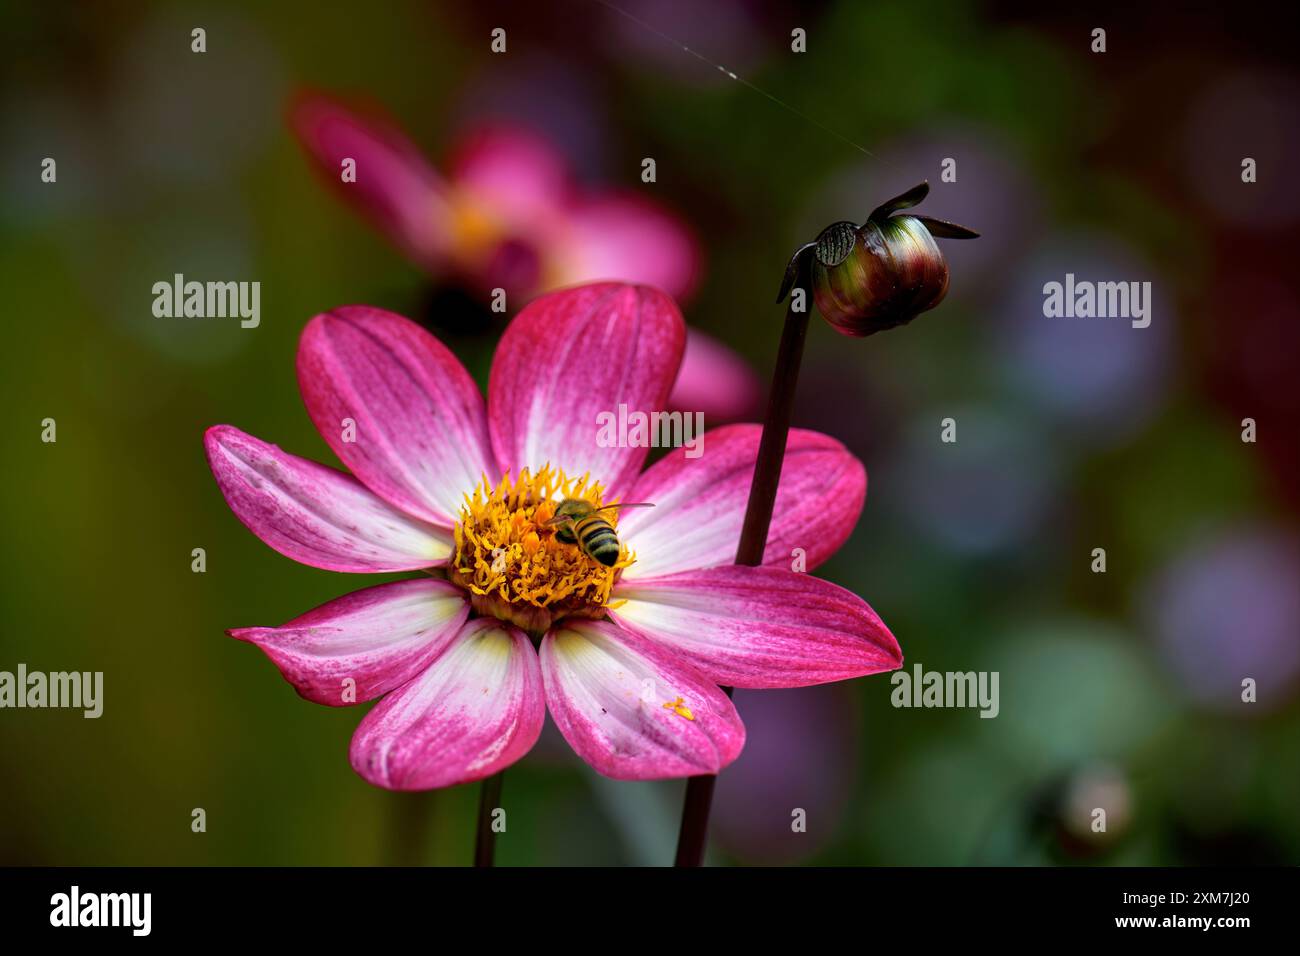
(485, 842)
(776, 429)
(692, 837)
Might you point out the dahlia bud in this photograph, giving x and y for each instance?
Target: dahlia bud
(883, 273)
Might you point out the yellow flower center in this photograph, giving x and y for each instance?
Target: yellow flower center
(514, 564)
(474, 229)
(478, 227)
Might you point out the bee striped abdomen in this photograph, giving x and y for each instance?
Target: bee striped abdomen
(597, 539)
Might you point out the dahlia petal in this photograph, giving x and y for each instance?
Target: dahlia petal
(377, 639)
(631, 710)
(714, 380)
(570, 358)
(517, 175)
(759, 627)
(419, 438)
(627, 237)
(475, 710)
(700, 503)
(316, 515)
(395, 186)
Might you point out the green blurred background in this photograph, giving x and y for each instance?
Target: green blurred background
(1119, 689)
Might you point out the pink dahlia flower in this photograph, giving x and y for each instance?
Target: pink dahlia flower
(508, 214)
(509, 620)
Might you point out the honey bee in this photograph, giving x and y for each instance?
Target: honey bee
(579, 522)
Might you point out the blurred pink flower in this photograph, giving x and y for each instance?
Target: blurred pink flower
(507, 214)
(715, 380)
(1231, 599)
(514, 621)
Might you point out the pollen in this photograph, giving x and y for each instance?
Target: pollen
(679, 708)
(512, 563)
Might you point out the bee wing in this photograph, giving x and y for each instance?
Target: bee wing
(625, 504)
(905, 201)
(947, 230)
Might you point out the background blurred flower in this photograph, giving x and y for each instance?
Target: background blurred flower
(507, 214)
(1103, 377)
(1228, 608)
(715, 380)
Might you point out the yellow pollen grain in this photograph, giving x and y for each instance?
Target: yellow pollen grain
(679, 708)
(505, 548)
